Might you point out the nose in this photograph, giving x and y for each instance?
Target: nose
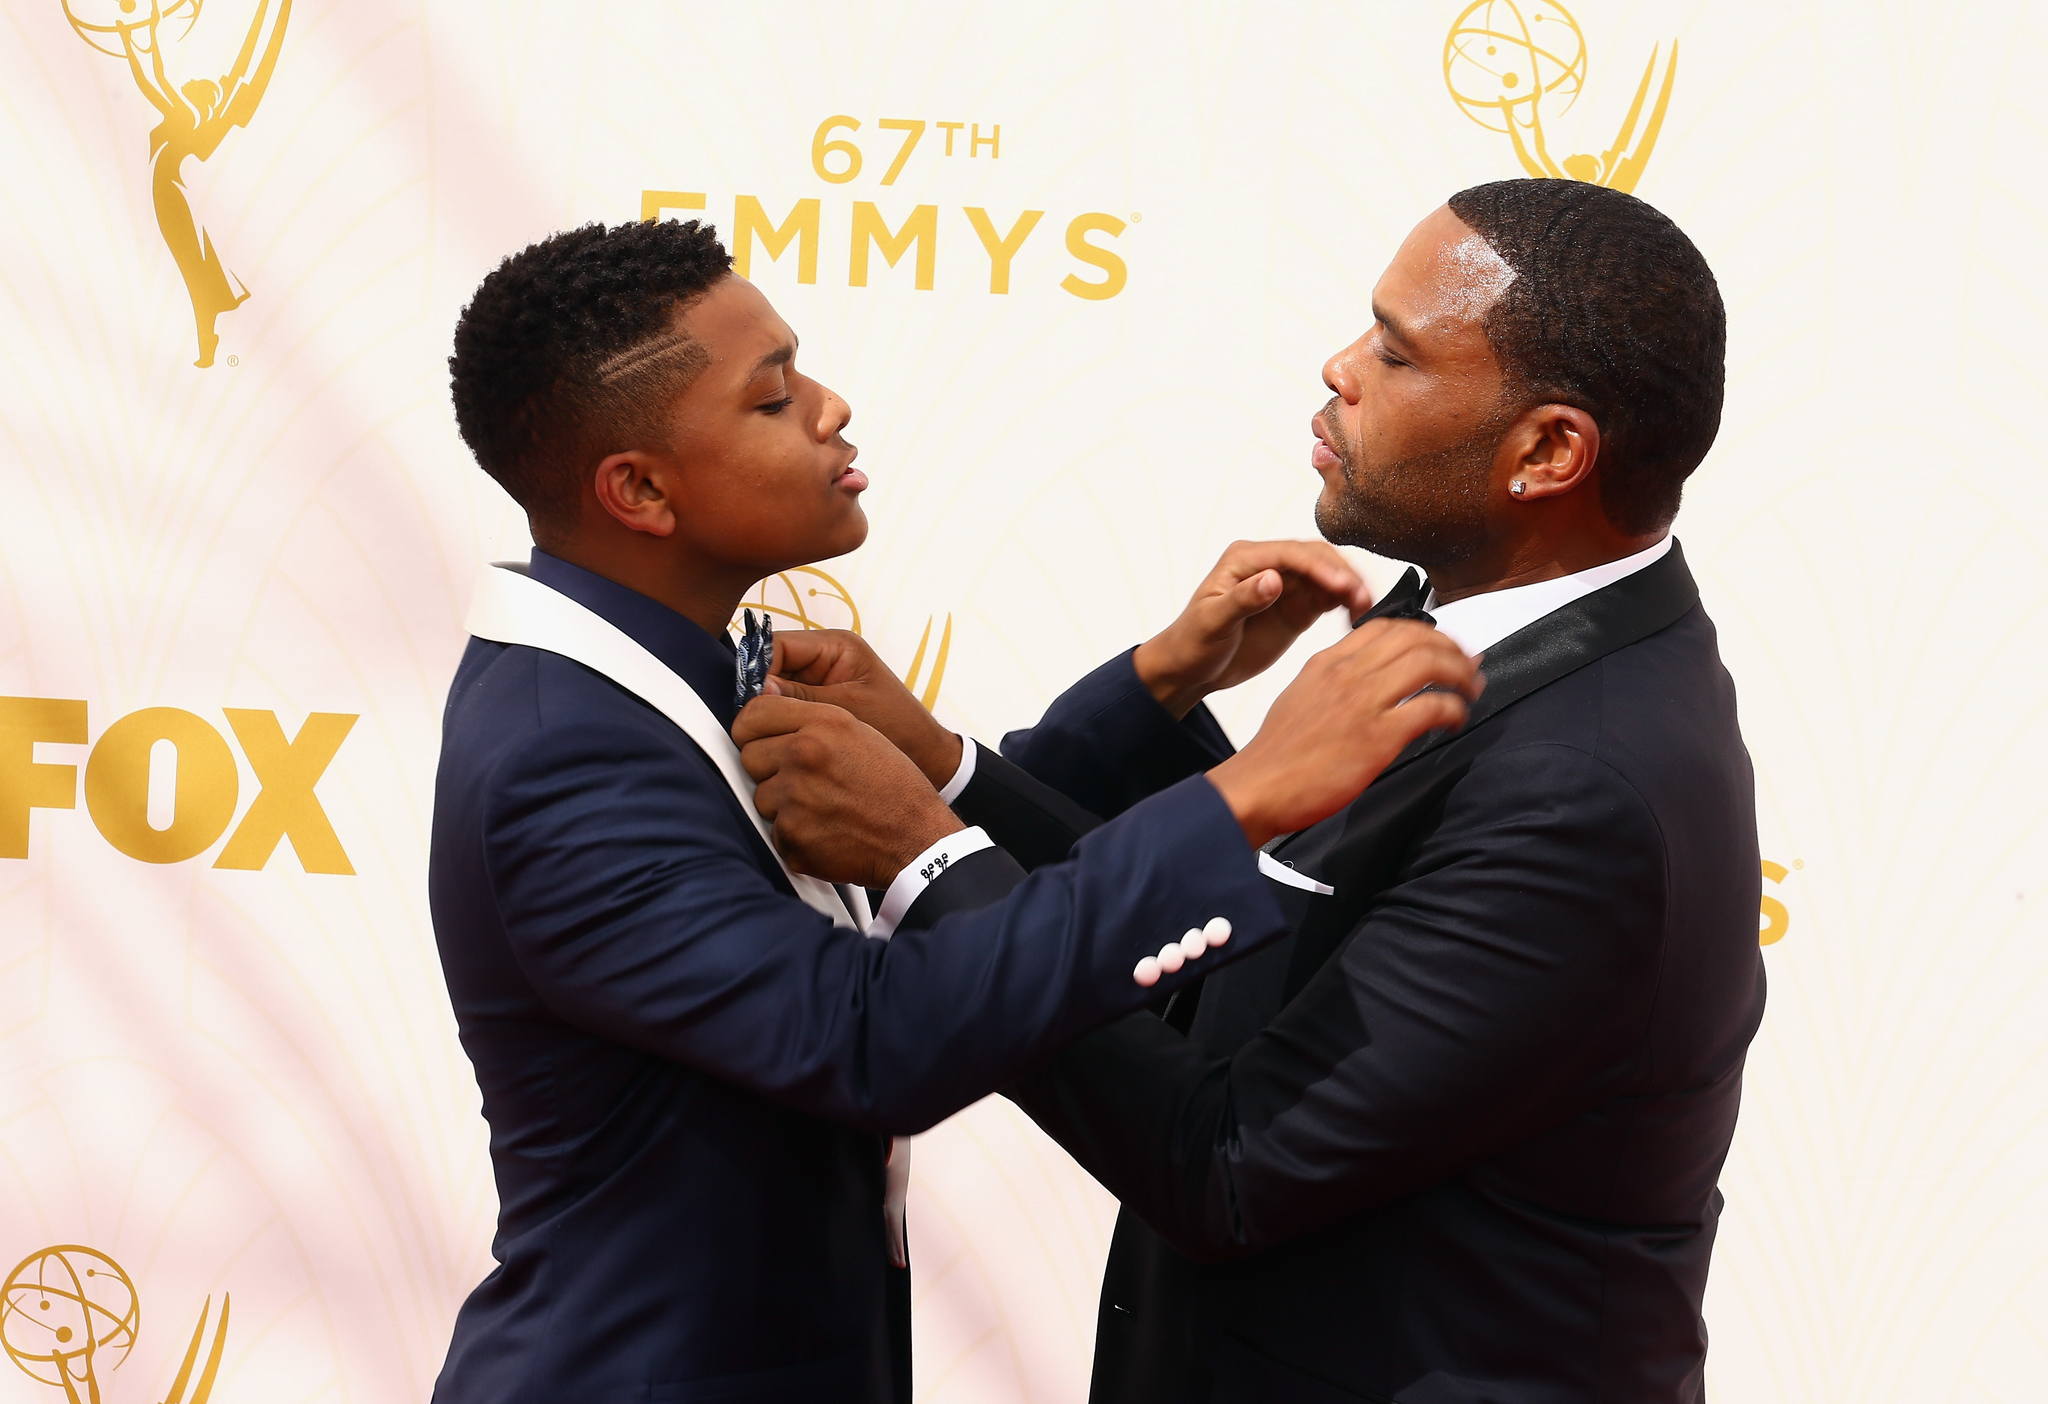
(1340, 377)
(833, 415)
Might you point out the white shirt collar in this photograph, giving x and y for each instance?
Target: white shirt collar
(1478, 622)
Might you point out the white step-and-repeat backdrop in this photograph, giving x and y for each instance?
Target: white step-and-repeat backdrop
(1077, 267)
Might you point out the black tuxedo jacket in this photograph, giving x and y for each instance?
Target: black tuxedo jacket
(1456, 1138)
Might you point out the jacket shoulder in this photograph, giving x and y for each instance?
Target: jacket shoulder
(1664, 699)
(505, 693)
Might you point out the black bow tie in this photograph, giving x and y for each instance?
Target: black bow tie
(1404, 601)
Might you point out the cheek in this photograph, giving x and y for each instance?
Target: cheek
(745, 490)
(1407, 413)
(766, 463)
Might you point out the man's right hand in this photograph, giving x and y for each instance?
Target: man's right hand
(837, 667)
(1354, 707)
(845, 805)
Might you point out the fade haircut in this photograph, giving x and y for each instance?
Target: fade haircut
(570, 351)
(1613, 310)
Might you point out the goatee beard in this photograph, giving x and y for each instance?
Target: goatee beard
(1429, 509)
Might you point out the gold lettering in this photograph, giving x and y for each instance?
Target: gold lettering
(949, 128)
(25, 782)
(993, 141)
(1002, 250)
(1111, 264)
(1777, 921)
(653, 202)
(286, 807)
(899, 124)
(749, 220)
(117, 785)
(821, 148)
(922, 226)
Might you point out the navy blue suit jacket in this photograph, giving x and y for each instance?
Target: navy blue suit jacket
(689, 1074)
(1456, 1139)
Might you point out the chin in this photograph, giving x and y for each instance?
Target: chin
(1332, 522)
(845, 536)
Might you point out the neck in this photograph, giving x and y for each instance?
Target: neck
(707, 593)
(1531, 561)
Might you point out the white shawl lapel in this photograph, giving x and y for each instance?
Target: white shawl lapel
(511, 607)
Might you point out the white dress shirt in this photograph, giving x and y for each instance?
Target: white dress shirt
(1478, 622)
(914, 879)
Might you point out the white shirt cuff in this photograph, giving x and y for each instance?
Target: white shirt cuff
(924, 870)
(964, 776)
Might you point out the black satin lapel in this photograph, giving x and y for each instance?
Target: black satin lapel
(1567, 639)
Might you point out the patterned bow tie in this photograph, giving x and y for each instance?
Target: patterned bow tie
(756, 650)
(1404, 601)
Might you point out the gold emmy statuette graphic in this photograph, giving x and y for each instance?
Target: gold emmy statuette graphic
(811, 599)
(807, 598)
(69, 1316)
(197, 114)
(1503, 63)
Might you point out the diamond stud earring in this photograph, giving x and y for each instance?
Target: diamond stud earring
(1518, 488)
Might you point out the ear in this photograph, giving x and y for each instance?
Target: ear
(1550, 451)
(636, 489)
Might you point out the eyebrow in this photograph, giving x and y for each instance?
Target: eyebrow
(1393, 324)
(780, 356)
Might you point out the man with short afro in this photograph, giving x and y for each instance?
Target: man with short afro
(568, 352)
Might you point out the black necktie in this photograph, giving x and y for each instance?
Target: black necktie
(1404, 601)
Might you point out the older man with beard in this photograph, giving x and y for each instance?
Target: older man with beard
(1456, 1139)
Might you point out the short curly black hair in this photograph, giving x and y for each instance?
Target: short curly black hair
(1615, 311)
(570, 351)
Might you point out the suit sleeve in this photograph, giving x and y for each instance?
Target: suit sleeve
(1032, 821)
(979, 880)
(638, 908)
(1499, 988)
(1106, 743)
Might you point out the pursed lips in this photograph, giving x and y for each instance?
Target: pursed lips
(1322, 456)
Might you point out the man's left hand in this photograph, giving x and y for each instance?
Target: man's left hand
(1248, 611)
(845, 805)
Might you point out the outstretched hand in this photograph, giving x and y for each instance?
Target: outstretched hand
(844, 804)
(1248, 611)
(1355, 706)
(837, 667)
